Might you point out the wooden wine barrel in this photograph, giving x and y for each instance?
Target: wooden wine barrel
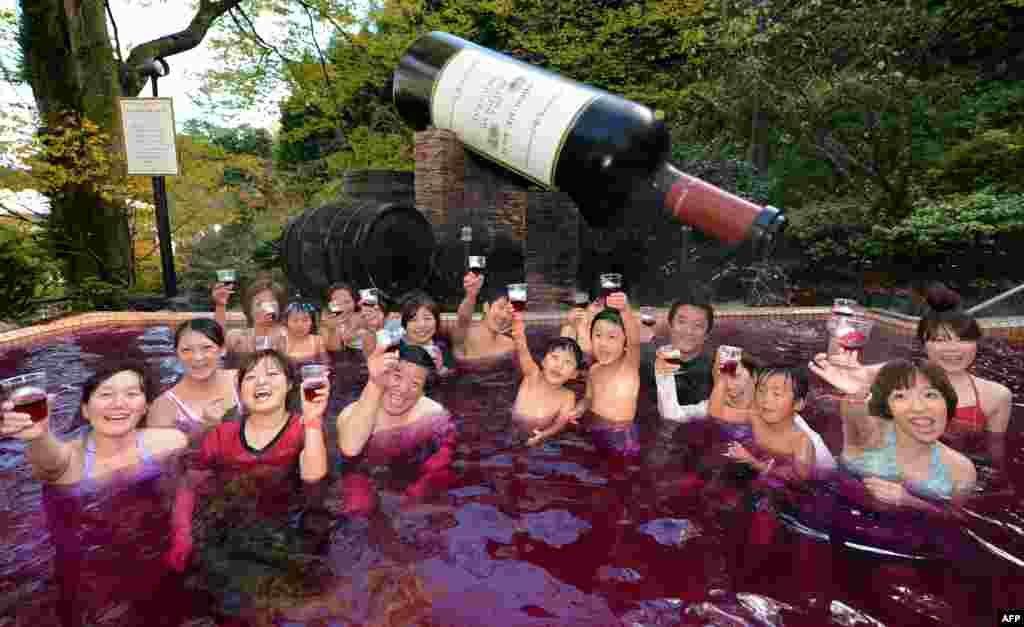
(384, 185)
(363, 241)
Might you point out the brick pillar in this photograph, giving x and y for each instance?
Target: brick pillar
(552, 248)
(440, 175)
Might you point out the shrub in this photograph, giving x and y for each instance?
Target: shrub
(26, 271)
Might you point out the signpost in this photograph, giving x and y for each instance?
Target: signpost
(149, 135)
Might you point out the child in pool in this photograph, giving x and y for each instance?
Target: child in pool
(613, 382)
(578, 322)
(779, 396)
(543, 405)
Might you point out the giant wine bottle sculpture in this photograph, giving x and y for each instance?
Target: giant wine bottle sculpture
(601, 149)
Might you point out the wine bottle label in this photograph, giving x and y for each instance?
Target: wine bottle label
(508, 111)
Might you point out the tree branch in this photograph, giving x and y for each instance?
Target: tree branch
(319, 52)
(117, 37)
(132, 79)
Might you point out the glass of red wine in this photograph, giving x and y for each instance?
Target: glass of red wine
(228, 277)
(671, 354)
(729, 359)
(648, 316)
(517, 296)
(314, 377)
(370, 296)
(28, 393)
(847, 337)
(842, 308)
(477, 264)
(390, 336)
(610, 283)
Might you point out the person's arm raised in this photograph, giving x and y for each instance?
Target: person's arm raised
(716, 402)
(631, 324)
(464, 316)
(313, 459)
(859, 427)
(357, 421)
(221, 294)
(526, 362)
(48, 457)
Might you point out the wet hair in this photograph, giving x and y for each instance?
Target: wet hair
(610, 315)
(491, 295)
(302, 306)
(341, 286)
(416, 355)
(250, 360)
(411, 304)
(257, 286)
(107, 370)
(797, 378)
(899, 374)
(567, 344)
(204, 326)
(944, 312)
(693, 301)
(752, 364)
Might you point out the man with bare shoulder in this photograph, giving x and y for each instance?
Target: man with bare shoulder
(486, 339)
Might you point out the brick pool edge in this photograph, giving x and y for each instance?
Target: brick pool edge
(1010, 328)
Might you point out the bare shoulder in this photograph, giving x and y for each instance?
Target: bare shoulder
(163, 440)
(429, 407)
(229, 378)
(960, 466)
(995, 389)
(347, 411)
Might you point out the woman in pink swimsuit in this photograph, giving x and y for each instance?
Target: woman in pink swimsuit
(207, 392)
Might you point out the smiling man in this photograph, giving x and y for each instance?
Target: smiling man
(686, 375)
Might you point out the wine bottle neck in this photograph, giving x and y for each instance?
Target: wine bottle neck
(716, 212)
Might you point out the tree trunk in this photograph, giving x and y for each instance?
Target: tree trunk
(71, 67)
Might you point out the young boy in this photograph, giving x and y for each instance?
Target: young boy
(543, 405)
(782, 448)
(613, 384)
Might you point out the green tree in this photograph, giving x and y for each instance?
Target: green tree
(75, 68)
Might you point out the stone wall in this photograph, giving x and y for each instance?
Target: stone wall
(525, 234)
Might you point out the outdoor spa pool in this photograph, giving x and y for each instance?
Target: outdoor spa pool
(554, 535)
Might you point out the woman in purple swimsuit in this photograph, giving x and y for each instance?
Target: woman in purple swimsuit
(107, 496)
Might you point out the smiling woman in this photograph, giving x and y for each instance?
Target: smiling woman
(107, 498)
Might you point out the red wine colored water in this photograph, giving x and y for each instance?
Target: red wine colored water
(729, 367)
(477, 271)
(309, 389)
(31, 401)
(519, 305)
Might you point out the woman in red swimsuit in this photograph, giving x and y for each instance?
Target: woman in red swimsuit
(251, 475)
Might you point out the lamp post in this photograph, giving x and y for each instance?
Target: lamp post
(154, 69)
